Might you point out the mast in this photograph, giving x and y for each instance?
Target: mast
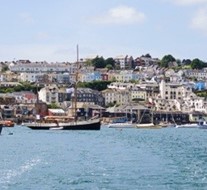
(75, 85)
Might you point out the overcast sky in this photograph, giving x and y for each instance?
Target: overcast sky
(50, 29)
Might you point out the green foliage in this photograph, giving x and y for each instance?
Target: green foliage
(5, 68)
(18, 88)
(53, 106)
(148, 55)
(100, 62)
(186, 62)
(109, 67)
(178, 61)
(89, 63)
(166, 60)
(110, 61)
(96, 85)
(201, 93)
(198, 64)
(111, 104)
(25, 86)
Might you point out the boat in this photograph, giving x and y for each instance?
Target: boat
(7, 123)
(60, 123)
(94, 124)
(122, 125)
(188, 125)
(202, 125)
(148, 126)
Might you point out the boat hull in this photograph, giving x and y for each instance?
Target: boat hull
(79, 125)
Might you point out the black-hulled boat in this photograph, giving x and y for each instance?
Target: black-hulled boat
(75, 125)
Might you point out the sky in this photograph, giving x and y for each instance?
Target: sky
(49, 30)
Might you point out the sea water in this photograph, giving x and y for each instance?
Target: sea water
(158, 159)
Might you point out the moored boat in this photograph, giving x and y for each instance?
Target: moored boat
(188, 125)
(7, 123)
(148, 126)
(94, 124)
(121, 125)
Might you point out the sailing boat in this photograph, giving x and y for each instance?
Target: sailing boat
(150, 125)
(59, 124)
(126, 124)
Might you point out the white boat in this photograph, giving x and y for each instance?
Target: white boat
(121, 125)
(148, 126)
(188, 125)
(203, 125)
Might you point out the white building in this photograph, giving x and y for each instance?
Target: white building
(49, 94)
(174, 90)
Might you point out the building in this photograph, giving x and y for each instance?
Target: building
(114, 96)
(171, 91)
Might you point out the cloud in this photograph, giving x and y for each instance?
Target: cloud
(27, 18)
(200, 20)
(188, 2)
(121, 15)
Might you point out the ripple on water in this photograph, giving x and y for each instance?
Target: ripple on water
(106, 159)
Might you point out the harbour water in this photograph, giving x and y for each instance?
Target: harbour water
(106, 159)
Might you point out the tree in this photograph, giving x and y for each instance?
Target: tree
(5, 68)
(88, 62)
(98, 62)
(53, 106)
(198, 64)
(166, 60)
(186, 62)
(178, 61)
(109, 67)
(110, 61)
(95, 85)
(148, 55)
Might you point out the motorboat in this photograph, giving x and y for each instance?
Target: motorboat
(122, 125)
(188, 125)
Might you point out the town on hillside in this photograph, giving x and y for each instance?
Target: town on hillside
(116, 89)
